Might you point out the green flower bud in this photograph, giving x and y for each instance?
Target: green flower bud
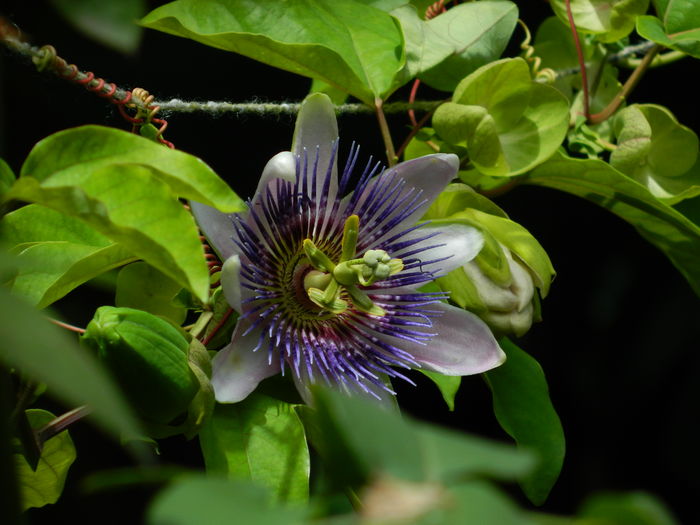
(148, 358)
(499, 284)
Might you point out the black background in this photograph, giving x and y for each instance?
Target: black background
(621, 326)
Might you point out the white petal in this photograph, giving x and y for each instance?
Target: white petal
(494, 297)
(280, 167)
(231, 282)
(464, 345)
(453, 245)
(217, 227)
(237, 370)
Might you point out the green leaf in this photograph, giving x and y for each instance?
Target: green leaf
(110, 23)
(7, 177)
(445, 49)
(609, 20)
(260, 439)
(56, 253)
(195, 500)
(677, 26)
(508, 123)
(337, 96)
(49, 355)
(353, 47)
(141, 286)
(626, 508)
(448, 385)
(523, 408)
(602, 184)
(657, 151)
(480, 503)
(45, 484)
(132, 206)
(401, 448)
(450, 456)
(69, 157)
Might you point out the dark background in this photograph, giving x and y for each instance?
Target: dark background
(621, 326)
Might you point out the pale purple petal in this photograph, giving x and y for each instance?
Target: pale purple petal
(438, 248)
(237, 369)
(316, 127)
(423, 179)
(217, 227)
(281, 167)
(463, 344)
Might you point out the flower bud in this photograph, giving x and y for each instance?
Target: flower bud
(499, 284)
(148, 358)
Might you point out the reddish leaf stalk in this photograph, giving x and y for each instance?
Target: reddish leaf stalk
(581, 60)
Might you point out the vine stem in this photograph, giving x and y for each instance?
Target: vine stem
(386, 135)
(581, 59)
(627, 88)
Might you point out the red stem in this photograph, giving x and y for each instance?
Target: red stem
(581, 60)
(218, 326)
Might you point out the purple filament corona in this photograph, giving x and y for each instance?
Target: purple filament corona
(352, 349)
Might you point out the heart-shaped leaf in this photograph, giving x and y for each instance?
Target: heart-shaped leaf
(508, 123)
(657, 151)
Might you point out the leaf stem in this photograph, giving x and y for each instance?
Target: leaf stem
(67, 326)
(62, 422)
(414, 131)
(210, 336)
(627, 88)
(581, 59)
(384, 128)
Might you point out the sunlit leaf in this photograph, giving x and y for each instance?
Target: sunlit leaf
(508, 123)
(44, 485)
(677, 25)
(657, 222)
(141, 286)
(445, 49)
(353, 47)
(260, 439)
(610, 20)
(132, 206)
(69, 157)
(49, 355)
(657, 151)
(56, 253)
(523, 408)
(110, 23)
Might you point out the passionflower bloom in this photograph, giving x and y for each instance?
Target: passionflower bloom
(325, 279)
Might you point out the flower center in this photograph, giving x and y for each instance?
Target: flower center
(325, 284)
